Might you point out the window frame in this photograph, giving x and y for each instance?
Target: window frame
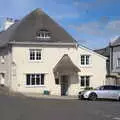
(33, 54)
(85, 60)
(35, 76)
(118, 62)
(85, 78)
(43, 34)
(57, 81)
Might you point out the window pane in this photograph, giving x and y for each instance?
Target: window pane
(118, 62)
(82, 60)
(37, 79)
(38, 54)
(87, 60)
(109, 87)
(42, 79)
(33, 79)
(43, 34)
(82, 81)
(32, 55)
(118, 88)
(87, 81)
(28, 79)
(57, 81)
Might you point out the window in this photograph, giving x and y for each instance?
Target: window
(43, 34)
(35, 54)
(57, 81)
(85, 81)
(2, 59)
(85, 59)
(118, 62)
(34, 79)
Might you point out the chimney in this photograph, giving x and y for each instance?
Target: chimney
(8, 22)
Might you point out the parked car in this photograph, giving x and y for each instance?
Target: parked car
(102, 92)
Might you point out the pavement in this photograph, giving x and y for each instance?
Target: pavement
(37, 95)
(6, 91)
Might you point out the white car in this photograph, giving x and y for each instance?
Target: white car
(102, 92)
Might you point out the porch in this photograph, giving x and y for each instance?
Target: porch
(64, 70)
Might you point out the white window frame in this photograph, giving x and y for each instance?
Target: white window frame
(35, 75)
(85, 60)
(118, 62)
(43, 35)
(85, 79)
(35, 51)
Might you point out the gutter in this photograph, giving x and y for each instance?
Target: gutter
(44, 43)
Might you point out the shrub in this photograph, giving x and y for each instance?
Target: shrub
(88, 88)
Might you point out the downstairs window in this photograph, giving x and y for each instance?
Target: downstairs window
(85, 81)
(34, 79)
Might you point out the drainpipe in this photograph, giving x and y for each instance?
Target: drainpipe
(111, 59)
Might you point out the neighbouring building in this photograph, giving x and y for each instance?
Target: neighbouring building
(115, 61)
(112, 52)
(37, 54)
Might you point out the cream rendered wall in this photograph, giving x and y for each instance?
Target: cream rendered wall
(5, 64)
(96, 69)
(50, 57)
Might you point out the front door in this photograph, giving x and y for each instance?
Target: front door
(64, 85)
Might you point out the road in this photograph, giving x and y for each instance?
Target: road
(21, 108)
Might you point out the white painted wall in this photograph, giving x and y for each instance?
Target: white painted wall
(50, 57)
(96, 69)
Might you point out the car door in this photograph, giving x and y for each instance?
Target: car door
(102, 92)
(112, 92)
(116, 92)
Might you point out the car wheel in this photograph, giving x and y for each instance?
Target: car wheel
(92, 96)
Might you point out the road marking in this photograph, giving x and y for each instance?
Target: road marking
(116, 118)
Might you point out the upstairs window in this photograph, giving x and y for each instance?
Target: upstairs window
(118, 62)
(85, 59)
(43, 34)
(35, 54)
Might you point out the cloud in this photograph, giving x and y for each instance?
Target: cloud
(112, 28)
(94, 4)
(67, 16)
(92, 28)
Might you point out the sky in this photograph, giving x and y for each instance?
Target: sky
(93, 23)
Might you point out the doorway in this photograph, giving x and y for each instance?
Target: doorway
(64, 85)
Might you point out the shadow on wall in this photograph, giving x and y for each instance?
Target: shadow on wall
(75, 79)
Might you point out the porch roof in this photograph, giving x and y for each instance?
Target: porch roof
(65, 65)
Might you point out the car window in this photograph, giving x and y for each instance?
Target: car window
(101, 88)
(109, 87)
(117, 87)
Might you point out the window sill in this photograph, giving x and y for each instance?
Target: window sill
(35, 61)
(34, 86)
(85, 66)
